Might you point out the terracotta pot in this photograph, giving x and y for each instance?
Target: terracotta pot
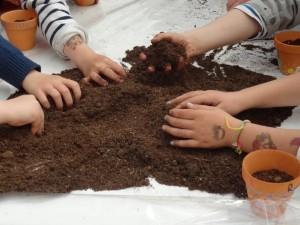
(269, 200)
(20, 27)
(86, 2)
(288, 55)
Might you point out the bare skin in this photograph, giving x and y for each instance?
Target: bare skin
(21, 111)
(95, 67)
(58, 88)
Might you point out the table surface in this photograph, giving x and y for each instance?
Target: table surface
(115, 26)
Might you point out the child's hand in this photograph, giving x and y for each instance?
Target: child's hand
(93, 66)
(183, 39)
(232, 3)
(60, 89)
(200, 127)
(99, 68)
(21, 111)
(230, 102)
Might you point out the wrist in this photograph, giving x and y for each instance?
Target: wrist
(232, 134)
(194, 39)
(28, 81)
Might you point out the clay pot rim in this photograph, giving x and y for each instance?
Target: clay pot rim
(246, 173)
(33, 20)
(286, 47)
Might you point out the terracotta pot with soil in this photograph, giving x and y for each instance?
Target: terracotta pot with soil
(271, 176)
(20, 27)
(86, 2)
(288, 48)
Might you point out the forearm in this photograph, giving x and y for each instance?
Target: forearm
(255, 137)
(56, 22)
(234, 27)
(278, 93)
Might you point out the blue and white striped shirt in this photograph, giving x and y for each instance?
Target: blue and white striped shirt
(55, 22)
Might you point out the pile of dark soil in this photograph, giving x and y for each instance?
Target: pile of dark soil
(112, 139)
(273, 176)
(160, 55)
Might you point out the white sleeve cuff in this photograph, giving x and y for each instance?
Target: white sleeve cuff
(298, 153)
(251, 12)
(64, 35)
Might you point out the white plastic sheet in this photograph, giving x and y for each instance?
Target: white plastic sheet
(115, 26)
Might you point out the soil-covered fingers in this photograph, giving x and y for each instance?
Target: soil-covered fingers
(97, 79)
(177, 132)
(56, 96)
(106, 71)
(117, 68)
(74, 86)
(42, 98)
(65, 93)
(181, 98)
(37, 126)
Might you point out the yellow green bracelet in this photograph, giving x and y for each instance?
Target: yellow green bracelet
(237, 144)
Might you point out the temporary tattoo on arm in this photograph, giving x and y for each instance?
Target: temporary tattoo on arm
(219, 132)
(263, 141)
(74, 42)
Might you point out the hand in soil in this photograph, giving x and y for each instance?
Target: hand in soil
(230, 102)
(21, 111)
(97, 67)
(200, 126)
(60, 89)
(167, 53)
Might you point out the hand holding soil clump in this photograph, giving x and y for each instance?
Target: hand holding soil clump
(164, 56)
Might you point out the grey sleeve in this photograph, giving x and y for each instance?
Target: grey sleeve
(276, 14)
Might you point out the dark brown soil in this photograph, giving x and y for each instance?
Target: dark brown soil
(292, 42)
(273, 176)
(159, 55)
(113, 138)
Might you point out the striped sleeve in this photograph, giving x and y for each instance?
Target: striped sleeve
(56, 23)
(252, 12)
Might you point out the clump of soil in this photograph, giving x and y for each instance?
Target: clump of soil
(113, 139)
(159, 56)
(273, 176)
(292, 42)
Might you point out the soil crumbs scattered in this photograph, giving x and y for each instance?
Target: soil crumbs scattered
(274, 176)
(112, 139)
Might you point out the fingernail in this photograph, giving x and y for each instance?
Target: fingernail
(163, 127)
(171, 112)
(172, 143)
(165, 117)
(169, 102)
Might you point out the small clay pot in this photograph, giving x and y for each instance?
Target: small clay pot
(269, 200)
(288, 55)
(20, 26)
(86, 2)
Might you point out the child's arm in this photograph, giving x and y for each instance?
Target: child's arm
(20, 72)
(205, 127)
(277, 93)
(69, 40)
(254, 19)
(21, 111)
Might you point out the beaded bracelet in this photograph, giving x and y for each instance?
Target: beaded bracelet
(237, 144)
